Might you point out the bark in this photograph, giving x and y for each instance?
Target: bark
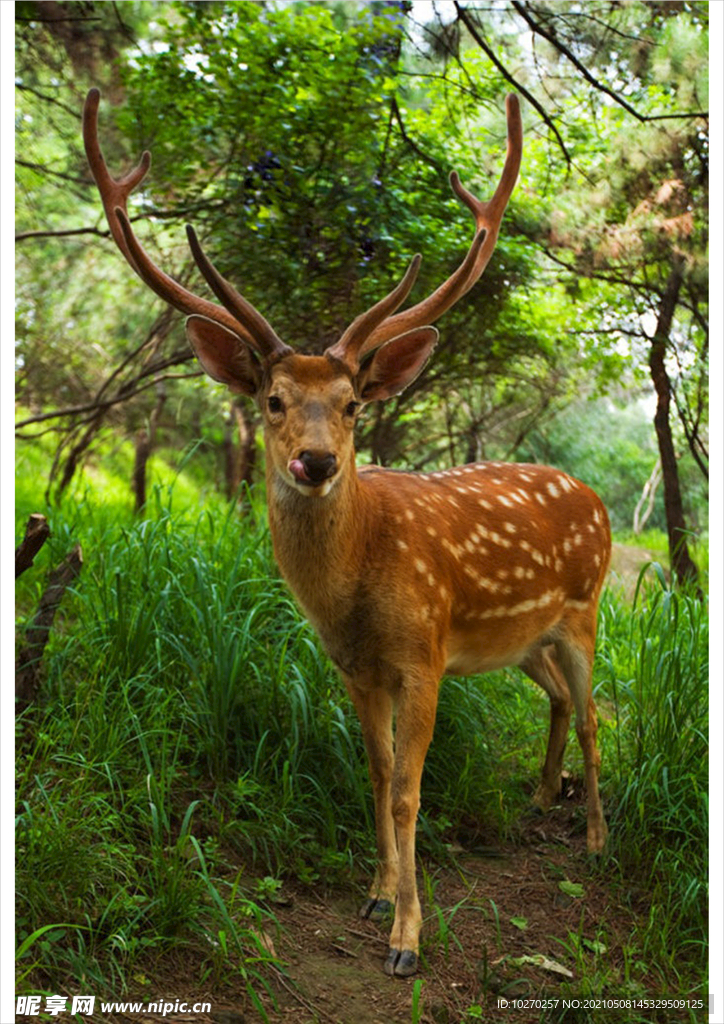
(682, 564)
(37, 532)
(28, 663)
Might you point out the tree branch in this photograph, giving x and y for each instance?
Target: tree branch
(122, 395)
(42, 169)
(411, 142)
(524, 10)
(23, 236)
(475, 33)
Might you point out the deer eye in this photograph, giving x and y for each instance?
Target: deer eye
(275, 404)
(351, 409)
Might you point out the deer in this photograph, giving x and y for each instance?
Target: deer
(405, 576)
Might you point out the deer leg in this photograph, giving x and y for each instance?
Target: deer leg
(416, 706)
(576, 659)
(542, 667)
(374, 708)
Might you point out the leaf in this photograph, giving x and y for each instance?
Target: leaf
(574, 889)
(594, 946)
(519, 922)
(539, 960)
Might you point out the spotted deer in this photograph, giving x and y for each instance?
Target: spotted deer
(404, 576)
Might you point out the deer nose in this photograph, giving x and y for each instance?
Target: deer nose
(316, 467)
(319, 467)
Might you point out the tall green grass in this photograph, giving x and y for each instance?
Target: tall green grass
(654, 669)
(192, 739)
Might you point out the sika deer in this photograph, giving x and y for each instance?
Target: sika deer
(405, 576)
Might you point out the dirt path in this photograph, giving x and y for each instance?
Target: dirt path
(526, 919)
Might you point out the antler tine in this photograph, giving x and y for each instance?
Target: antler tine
(488, 216)
(349, 346)
(114, 194)
(268, 342)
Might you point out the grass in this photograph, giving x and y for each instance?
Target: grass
(192, 746)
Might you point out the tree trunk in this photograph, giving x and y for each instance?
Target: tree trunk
(74, 457)
(145, 440)
(239, 461)
(645, 504)
(682, 564)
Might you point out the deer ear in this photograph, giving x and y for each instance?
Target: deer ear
(223, 355)
(396, 364)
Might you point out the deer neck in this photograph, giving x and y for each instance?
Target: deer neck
(319, 543)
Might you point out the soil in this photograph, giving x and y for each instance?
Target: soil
(493, 904)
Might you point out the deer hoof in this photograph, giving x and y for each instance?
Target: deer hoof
(402, 964)
(376, 910)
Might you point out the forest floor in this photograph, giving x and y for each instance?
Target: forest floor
(526, 918)
(529, 918)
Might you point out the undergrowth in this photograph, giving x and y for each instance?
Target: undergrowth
(192, 745)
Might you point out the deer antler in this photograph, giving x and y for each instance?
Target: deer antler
(242, 318)
(488, 217)
(348, 347)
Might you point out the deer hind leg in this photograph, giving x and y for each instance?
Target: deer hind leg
(374, 708)
(542, 667)
(575, 655)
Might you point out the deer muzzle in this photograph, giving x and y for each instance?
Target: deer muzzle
(313, 468)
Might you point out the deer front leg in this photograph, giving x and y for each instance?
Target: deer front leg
(416, 708)
(374, 708)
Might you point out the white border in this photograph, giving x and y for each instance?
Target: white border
(7, 517)
(716, 513)
(7, 714)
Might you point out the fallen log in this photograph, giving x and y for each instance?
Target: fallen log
(37, 632)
